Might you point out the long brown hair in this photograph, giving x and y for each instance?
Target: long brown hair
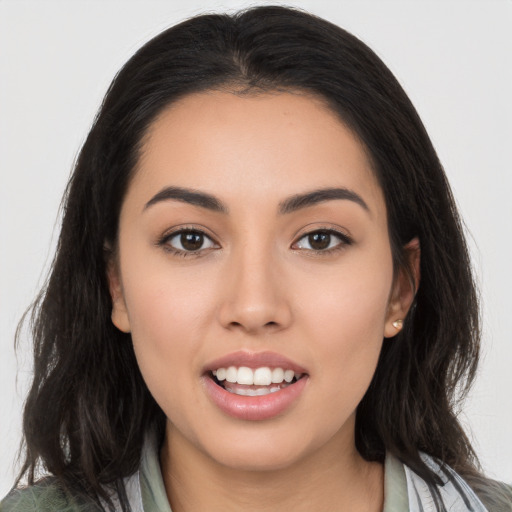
(88, 408)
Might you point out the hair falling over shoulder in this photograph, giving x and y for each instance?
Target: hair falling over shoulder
(88, 408)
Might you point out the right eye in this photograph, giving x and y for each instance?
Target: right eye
(323, 241)
(188, 242)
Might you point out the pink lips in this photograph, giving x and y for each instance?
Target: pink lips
(254, 360)
(254, 408)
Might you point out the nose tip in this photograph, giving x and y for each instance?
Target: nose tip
(255, 300)
(254, 320)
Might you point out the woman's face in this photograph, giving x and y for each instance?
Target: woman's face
(254, 236)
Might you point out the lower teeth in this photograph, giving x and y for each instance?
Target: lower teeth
(254, 392)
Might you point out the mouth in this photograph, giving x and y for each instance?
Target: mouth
(255, 386)
(260, 381)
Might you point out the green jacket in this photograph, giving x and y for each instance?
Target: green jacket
(147, 492)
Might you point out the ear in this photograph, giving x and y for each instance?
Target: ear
(404, 290)
(119, 312)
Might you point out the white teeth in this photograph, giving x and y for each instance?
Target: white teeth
(231, 374)
(277, 375)
(288, 375)
(245, 376)
(263, 376)
(252, 392)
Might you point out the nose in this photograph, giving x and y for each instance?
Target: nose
(255, 298)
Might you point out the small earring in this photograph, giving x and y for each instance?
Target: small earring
(398, 324)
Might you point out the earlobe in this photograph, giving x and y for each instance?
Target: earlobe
(119, 312)
(404, 290)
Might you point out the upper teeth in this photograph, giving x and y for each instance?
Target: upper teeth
(263, 376)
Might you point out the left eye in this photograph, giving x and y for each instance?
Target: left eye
(321, 241)
(190, 241)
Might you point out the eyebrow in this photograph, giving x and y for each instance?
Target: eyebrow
(300, 201)
(289, 205)
(190, 196)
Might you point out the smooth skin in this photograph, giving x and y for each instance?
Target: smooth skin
(257, 281)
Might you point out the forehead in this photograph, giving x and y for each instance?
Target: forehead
(266, 145)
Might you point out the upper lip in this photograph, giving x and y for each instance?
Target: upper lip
(254, 360)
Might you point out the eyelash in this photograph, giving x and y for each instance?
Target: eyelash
(344, 241)
(164, 241)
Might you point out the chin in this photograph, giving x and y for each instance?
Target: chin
(259, 461)
(258, 453)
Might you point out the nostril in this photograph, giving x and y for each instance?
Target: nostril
(268, 324)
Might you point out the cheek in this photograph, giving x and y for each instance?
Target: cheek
(169, 313)
(344, 319)
(350, 302)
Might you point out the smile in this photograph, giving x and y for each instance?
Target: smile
(261, 381)
(253, 390)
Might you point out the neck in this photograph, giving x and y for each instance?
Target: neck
(335, 477)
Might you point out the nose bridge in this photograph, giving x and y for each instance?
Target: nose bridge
(255, 298)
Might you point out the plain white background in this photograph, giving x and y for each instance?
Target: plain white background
(453, 57)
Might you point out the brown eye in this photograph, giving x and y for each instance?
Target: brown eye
(322, 241)
(319, 241)
(189, 241)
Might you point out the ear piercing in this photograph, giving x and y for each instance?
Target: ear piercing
(398, 324)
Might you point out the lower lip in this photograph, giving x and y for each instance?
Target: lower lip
(254, 408)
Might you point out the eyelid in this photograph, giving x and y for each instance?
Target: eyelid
(163, 240)
(345, 239)
(341, 234)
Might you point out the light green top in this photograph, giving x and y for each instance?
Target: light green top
(147, 491)
(154, 497)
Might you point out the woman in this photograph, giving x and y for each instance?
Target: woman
(262, 295)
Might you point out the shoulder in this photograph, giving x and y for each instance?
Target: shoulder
(46, 495)
(496, 496)
(472, 493)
